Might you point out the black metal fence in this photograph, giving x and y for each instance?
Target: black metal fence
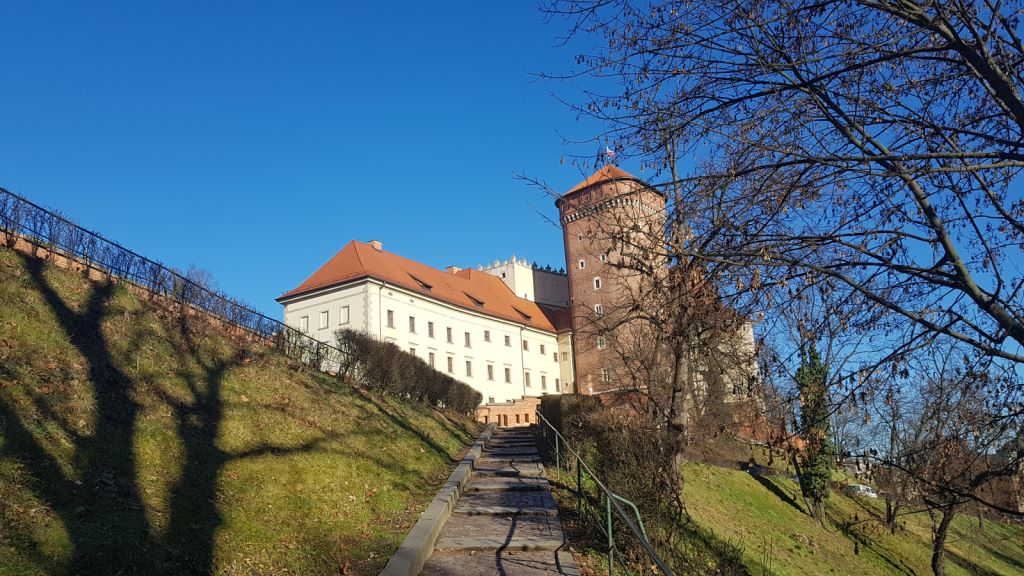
(55, 233)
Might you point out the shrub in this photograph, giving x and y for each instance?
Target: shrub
(387, 369)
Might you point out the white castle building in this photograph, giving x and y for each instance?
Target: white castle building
(500, 330)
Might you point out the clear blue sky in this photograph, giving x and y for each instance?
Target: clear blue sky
(255, 139)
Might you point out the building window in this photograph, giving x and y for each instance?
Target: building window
(490, 372)
(412, 351)
(565, 356)
(554, 356)
(467, 340)
(343, 317)
(557, 387)
(526, 379)
(391, 318)
(490, 399)
(412, 324)
(606, 376)
(604, 257)
(508, 375)
(597, 283)
(451, 364)
(430, 359)
(543, 382)
(324, 319)
(304, 323)
(517, 418)
(430, 329)
(469, 367)
(542, 351)
(487, 335)
(598, 310)
(583, 264)
(526, 345)
(601, 343)
(448, 332)
(508, 340)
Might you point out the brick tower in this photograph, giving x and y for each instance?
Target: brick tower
(605, 219)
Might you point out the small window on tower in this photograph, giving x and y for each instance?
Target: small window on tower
(606, 376)
(597, 283)
(601, 343)
(604, 257)
(598, 310)
(583, 264)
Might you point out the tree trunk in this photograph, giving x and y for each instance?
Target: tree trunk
(939, 542)
(891, 508)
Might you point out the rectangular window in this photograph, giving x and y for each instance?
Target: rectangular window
(451, 364)
(508, 375)
(606, 376)
(304, 323)
(517, 418)
(526, 379)
(325, 319)
(597, 283)
(565, 356)
(490, 399)
(412, 324)
(554, 356)
(469, 368)
(430, 359)
(490, 372)
(448, 332)
(508, 340)
(557, 387)
(526, 345)
(467, 340)
(430, 329)
(391, 318)
(598, 310)
(412, 351)
(543, 382)
(343, 317)
(487, 335)
(542, 352)
(583, 263)
(601, 343)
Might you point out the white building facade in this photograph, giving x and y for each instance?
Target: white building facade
(464, 323)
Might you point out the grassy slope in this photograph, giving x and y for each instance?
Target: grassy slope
(133, 442)
(765, 513)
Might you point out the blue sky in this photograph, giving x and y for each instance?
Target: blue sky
(254, 139)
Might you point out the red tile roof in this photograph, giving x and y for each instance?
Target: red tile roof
(470, 289)
(609, 172)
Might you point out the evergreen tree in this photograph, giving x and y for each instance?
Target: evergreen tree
(816, 463)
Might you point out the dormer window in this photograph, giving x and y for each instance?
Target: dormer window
(423, 285)
(525, 316)
(478, 302)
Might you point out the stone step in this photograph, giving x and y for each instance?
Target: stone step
(507, 468)
(495, 452)
(479, 483)
(489, 532)
(506, 563)
(536, 503)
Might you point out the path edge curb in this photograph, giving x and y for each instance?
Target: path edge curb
(418, 545)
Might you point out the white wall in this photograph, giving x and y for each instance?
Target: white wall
(370, 300)
(535, 285)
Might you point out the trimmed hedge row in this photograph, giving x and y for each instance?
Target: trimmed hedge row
(387, 369)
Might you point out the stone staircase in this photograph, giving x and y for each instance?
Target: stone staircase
(505, 521)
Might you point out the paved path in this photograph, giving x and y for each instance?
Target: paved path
(505, 522)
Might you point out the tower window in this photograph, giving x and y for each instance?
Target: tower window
(606, 376)
(598, 310)
(604, 257)
(583, 264)
(597, 283)
(601, 343)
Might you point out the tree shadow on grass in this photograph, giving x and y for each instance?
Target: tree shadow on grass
(778, 491)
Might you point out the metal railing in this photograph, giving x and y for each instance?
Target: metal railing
(605, 507)
(22, 219)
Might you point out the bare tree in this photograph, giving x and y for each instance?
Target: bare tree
(873, 143)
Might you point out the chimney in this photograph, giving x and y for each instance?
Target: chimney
(376, 244)
(453, 269)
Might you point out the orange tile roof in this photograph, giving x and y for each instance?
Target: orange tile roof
(609, 172)
(470, 289)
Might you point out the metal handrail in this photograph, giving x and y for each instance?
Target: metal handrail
(612, 502)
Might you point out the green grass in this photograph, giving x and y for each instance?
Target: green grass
(764, 516)
(133, 441)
